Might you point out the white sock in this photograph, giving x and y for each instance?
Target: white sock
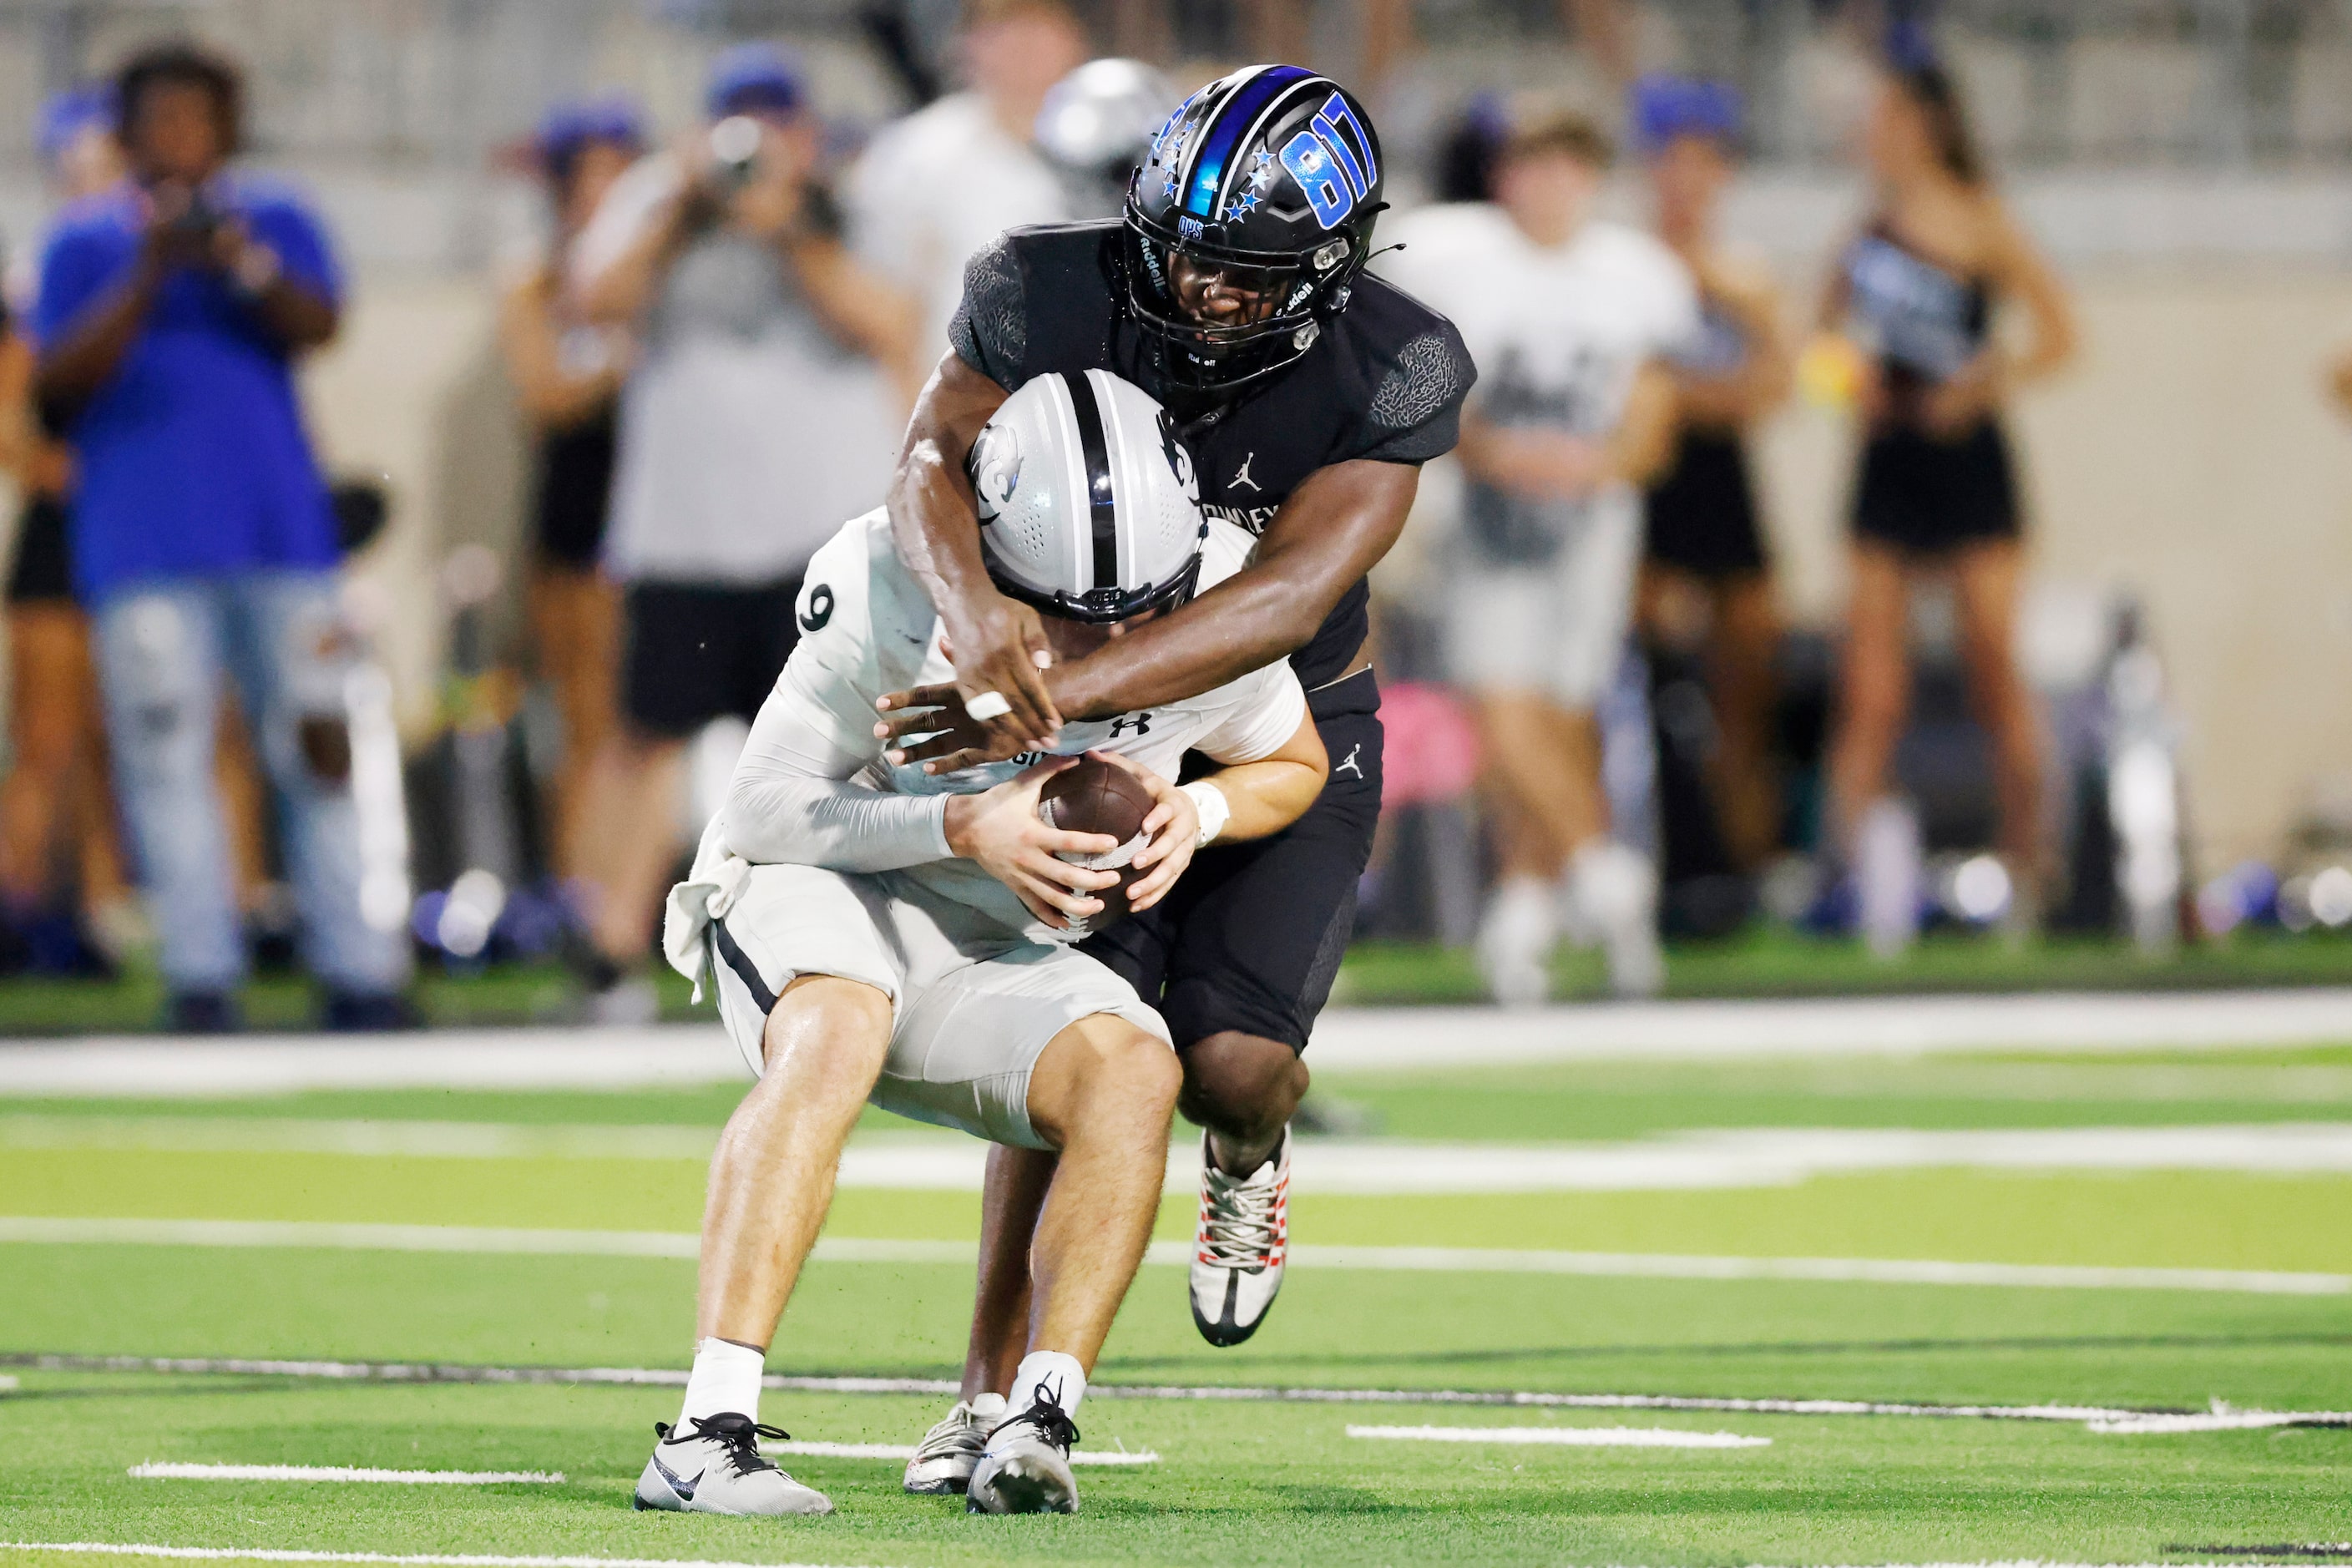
(1065, 1381)
(725, 1379)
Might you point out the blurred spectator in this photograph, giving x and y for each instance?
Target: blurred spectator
(57, 809)
(1567, 318)
(568, 372)
(172, 308)
(1936, 493)
(949, 178)
(1707, 577)
(756, 420)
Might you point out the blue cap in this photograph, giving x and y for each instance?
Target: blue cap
(753, 78)
(566, 128)
(67, 116)
(1665, 107)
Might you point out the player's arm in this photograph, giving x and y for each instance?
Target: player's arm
(1333, 530)
(1000, 644)
(1335, 527)
(1243, 800)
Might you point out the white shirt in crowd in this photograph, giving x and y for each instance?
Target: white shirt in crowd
(934, 188)
(813, 787)
(747, 429)
(1558, 332)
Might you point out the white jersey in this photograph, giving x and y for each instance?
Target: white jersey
(866, 628)
(935, 187)
(1559, 334)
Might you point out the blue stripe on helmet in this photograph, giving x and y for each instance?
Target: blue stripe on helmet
(1226, 125)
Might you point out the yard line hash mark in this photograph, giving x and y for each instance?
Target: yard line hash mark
(428, 1560)
(907, 1451)
(156, 1471)
(1567, 1437)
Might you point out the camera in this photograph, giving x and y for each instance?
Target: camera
(735, 151)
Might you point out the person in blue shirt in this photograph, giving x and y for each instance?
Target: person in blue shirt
(172, 308)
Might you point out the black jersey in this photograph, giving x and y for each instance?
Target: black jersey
(1385, 381)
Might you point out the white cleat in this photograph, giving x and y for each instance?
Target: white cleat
(1026, 1466)
(1239, 1246)
(944, 1460)
(719, 1469)
(1515, 941)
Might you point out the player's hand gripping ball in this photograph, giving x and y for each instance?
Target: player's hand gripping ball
(1097, 796)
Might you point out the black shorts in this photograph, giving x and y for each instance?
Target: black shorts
(698, 653)
(1250, 939)
(44, 569)
(574, 488)
(1701, 515)
(1928, 498)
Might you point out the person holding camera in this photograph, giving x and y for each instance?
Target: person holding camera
(172, 310)
(758, 415)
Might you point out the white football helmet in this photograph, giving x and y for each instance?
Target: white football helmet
(1095, 127)
(1089, 507)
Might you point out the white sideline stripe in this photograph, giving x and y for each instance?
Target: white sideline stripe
(165, 1066)
(284, 1555)
(2098, 1417)
(280, 1554)
(1706, 1158)
(162, 1471)
(248, 1233)
(907, 1451)
(1567, 1437)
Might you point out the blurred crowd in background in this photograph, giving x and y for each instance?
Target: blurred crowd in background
(1604, 724)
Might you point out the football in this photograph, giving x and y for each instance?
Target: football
(1097, 796)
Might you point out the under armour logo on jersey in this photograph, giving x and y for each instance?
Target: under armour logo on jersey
(1139, 722)
(1351, 765)
(1242, 474)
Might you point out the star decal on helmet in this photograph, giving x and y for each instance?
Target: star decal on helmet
(1263, 170)
(1242, 205)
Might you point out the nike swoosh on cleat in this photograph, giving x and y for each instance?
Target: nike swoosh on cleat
(678, 1483)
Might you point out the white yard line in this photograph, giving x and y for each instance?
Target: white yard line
(2097, 1418)
(1364, 1167)
(281, 1555)
(151, 1066)
(1407, 1260)
(1567, 1437)
(907, 1451)
(436, 1559)
(158, 1471)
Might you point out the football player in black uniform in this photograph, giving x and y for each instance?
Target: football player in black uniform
(1309, 391)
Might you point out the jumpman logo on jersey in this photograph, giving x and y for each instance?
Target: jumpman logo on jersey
(1352, 765)
(1242, 474)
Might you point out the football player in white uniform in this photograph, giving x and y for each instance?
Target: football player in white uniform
(879, 932)
(1571, 319)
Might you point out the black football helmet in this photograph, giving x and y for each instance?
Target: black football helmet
(1266, 181)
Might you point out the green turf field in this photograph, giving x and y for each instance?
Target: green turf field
(1235, 1482)
(1763, 961)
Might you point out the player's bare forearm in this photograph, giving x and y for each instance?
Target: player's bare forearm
(997, 645)
(1269, 794)
(1334, 529)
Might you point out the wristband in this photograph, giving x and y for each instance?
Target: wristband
(1214, 809)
